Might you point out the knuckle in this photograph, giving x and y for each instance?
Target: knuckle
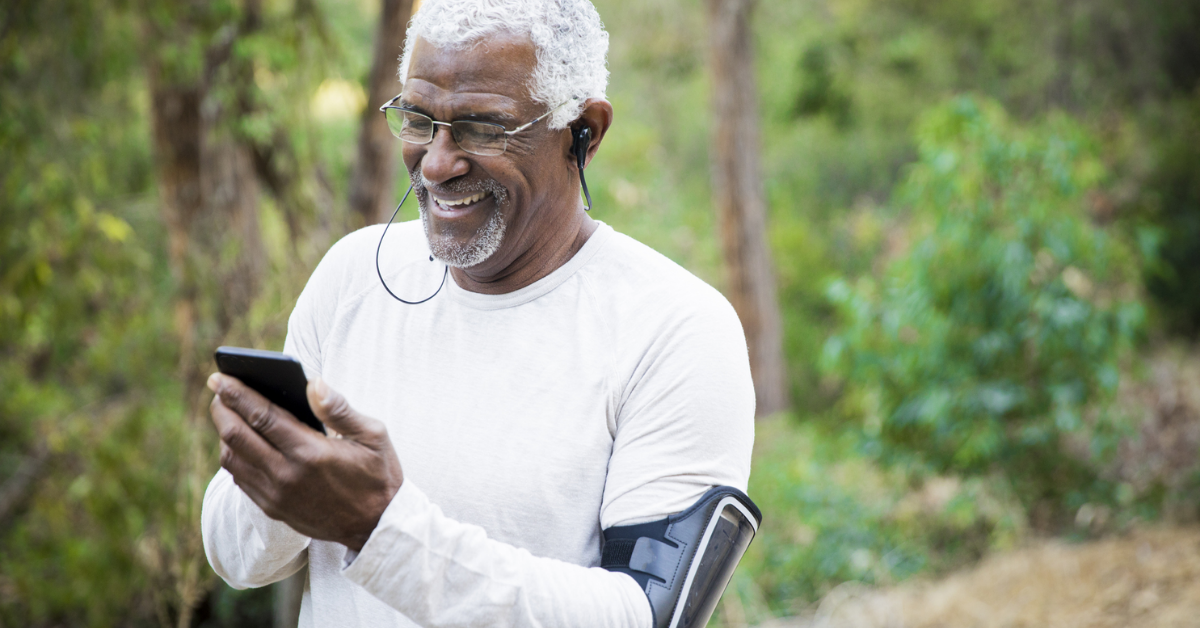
(233, 437)
(232, 395)
(310, 454)
(259, 417)
(285, 478)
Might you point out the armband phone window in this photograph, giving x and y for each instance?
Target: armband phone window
(684, 562)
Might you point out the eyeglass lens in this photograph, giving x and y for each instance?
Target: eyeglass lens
(478, 138)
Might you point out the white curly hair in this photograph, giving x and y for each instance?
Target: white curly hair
(570, 39)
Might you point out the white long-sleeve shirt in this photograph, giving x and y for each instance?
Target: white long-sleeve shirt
(615, 390)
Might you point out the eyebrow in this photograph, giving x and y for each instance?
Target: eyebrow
(499, 117)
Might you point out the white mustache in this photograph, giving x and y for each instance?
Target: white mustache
(456, 187)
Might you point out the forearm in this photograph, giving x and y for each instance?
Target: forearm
(245, 546)
(442, 573)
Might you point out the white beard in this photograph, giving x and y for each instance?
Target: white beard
(487, 239)
(452, 253)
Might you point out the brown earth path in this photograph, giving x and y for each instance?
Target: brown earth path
(1147, 578)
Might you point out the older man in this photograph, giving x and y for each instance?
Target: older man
(566, 381)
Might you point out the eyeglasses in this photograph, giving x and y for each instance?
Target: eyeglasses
(478, 138)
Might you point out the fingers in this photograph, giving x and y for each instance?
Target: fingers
(335, 412)
(240, 440)
(251, 480)
(266, 475)
(277, 426)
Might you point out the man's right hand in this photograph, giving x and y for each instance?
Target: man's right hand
(332, 489)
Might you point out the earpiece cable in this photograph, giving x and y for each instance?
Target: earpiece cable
(380, 246)
(585, 191)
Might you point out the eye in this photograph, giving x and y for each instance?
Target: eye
(414, 128)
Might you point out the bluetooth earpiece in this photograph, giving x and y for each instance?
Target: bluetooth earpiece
(583, 138)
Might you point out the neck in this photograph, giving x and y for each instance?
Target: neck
(546, 254)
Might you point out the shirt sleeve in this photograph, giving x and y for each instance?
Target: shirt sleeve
(245, 546)
(685, 418)
(442, 573)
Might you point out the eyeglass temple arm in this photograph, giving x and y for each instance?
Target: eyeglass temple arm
(538, 119)
(394, 99)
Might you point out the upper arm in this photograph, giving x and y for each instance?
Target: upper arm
(686, 418)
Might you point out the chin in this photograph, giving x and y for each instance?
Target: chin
(472, 250)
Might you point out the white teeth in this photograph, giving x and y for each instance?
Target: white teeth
(465, 201)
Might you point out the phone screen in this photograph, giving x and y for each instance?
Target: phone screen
(276, 376)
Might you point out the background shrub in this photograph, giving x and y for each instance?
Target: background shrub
(992, 343)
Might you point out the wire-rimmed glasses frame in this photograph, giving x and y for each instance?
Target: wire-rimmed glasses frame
(486, 139)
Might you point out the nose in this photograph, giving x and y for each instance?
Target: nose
(443, 159)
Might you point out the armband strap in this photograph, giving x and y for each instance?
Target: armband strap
(684, 562)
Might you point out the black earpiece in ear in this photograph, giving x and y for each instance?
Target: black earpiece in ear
(583, 139)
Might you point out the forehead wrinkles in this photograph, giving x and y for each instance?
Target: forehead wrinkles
(446, 105)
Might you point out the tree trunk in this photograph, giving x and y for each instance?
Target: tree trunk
(373, 183)
(740, 199)
(209, 202)
(210, 205)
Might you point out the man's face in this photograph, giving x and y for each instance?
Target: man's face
(479, 211)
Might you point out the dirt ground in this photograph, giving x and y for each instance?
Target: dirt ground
(1146, 578)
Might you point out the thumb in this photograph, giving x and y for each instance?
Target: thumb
(335, 412)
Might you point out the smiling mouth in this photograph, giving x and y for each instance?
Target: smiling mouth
(459, 205)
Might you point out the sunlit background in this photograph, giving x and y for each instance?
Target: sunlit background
(984, 218)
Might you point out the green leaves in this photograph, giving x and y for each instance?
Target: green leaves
(998, 333)
(89, 341)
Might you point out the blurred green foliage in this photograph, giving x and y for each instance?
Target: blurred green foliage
(997, 336)
(1098, 150)
(83, 334)
(834, 515)
(93, 403)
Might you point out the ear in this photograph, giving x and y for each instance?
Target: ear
(597, 116)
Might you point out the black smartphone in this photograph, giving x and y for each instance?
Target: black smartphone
(276, 376)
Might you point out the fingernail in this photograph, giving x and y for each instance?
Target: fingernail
(213, 381)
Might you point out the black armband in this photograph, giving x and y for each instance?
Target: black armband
(684, 562)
